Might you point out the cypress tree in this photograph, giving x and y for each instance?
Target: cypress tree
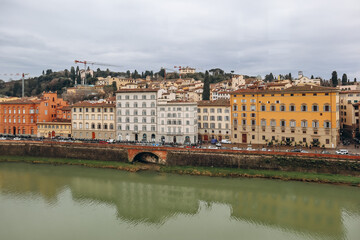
(334, 79)
(344, 79)
(206, 90)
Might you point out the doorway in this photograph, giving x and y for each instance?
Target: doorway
(244, 138)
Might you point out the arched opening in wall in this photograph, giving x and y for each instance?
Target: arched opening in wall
(146, 157)
(14, 130)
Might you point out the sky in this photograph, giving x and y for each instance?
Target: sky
(252, 37)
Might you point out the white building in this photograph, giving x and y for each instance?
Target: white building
(177, 122)
(136, 114)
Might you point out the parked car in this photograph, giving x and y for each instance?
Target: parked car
(303, 151)
(342, 152)
(226, 141)
(325, 152)
(111, 141)
(295, 150)
(2, 138)
(235, 148)
(250, 149)
(212, 147)
(218, 144)
(213, 141)
(16, 138)
(264, 149)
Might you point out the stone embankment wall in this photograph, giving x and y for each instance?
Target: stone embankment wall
(319, 163)
(54, 150)
(267, 161)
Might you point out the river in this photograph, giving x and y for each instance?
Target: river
(70, 202)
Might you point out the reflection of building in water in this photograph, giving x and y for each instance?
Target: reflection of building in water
(148, 198)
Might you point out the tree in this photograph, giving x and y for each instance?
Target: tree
(66, 73)
(77, 70)
(206, 90)
(334, 79)
(354, 80)
(269, 77)
(43, 73)
(128, 74)
(72, 73)
(312, 76)
(114, 86)
(16, 89)
(344, 79)
(162, 72)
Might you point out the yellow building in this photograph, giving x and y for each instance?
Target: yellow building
(61, 127)
(307, 115)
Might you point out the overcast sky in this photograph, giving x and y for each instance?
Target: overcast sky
(252, 37)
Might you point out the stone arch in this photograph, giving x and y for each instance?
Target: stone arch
(146, 157)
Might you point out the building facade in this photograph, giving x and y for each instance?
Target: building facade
(136, 114)
(177, 122)
(214, 120)
(306, 115)
(58, 128)
(19, 117)
(93, 120)
(348, 112)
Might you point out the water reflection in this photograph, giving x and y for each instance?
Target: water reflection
(147, 198)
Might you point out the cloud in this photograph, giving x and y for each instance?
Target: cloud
(249, 37)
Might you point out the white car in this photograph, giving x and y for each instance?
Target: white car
(226, 141)
(16, 138)
(250, 149)
(342, 152)
(212, 147)
(2, 138)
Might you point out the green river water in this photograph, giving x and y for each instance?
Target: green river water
(69, 202)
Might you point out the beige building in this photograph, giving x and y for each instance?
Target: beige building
(214, 120)
(185, 70)
(93, 120)
(348, 120)
(58, 128)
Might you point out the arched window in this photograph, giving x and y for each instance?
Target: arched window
(111, 126)
(263, 108)
(105, 126)
(144, 105)
(92, 125)
(99, 126)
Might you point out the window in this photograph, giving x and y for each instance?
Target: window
(292, 123)
(327, 124)
(253, 122)
(263, 122)
(212, 118)
(219, 118)
(282, 123)
(292, 108)
(263, 108)
(303, 107)
(272, 108)
(212, 110)
(273, 122)
(315, 108)
(243, 107)
(304, 123)
(252, 108)
(234, 107)
(327, 108)
(244, 122)
(143, 96)
(205, 118)
(315, 124)
(282, 108)
(219, 110)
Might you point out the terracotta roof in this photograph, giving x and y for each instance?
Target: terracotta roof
(65, 108)
(21, 101)
(219, 102)
(293, 89)
(93, 104)
(137, 90)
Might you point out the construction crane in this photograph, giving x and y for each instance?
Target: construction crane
(22, 80)
(92, 63)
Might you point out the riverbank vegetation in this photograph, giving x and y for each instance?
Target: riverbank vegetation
(189, 170)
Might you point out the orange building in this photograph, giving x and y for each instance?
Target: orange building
(19, 117)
